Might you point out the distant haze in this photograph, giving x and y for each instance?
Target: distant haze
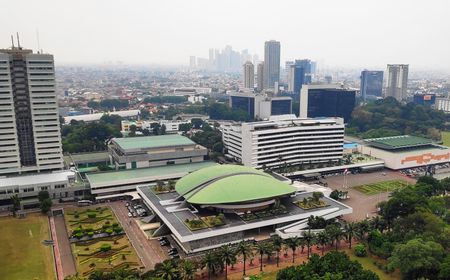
(347, 33)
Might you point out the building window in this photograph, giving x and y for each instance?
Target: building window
(44, 188)
(61, 186)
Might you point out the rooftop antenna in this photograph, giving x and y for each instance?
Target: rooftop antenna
(18, 40)
(38, 42)
(12, 41)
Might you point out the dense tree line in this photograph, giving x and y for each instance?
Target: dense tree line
(220, 111)
(109, 104)
(388, 117)
(90, 137)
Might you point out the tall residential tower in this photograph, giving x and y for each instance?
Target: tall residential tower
(249, 75)
(371, 84)
(397, 81)
(271, 64)
(30, 138)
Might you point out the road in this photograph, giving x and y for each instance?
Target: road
(149, 251)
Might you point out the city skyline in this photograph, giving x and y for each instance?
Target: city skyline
(330, 32)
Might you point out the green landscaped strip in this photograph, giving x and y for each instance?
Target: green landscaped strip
(147, 142)
(105, 177)
(445, 135)
(191, 181)
(396, 142)
(240, 188)
(386, 186)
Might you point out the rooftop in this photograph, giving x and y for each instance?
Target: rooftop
(134, 175)
(222, 184)
(148, 142)
(398, 142)
(36, 179)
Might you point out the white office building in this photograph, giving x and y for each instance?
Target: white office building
(284, 140)
(30, 138)
(397, 81)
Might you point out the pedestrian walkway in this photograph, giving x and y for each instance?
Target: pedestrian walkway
(56, 253)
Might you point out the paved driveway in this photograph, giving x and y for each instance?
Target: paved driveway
(149, 251)
(65, 250)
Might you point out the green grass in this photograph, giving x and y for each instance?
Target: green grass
(367, 263)
(22, 255)
(445, 135)
(386, 186)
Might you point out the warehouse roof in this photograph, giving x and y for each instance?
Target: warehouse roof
(148, 142)
(398, 142)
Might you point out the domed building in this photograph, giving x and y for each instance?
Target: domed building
(224, 204)
(231, 188)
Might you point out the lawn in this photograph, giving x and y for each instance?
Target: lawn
(386, 186)
(76, 217)
(22, 255)
(368, 263)
(445, 135)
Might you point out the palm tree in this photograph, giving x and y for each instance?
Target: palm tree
(322, 239)
(301, 244)
(362, 228)
(293, 243)
(188, 270)
(309, 238)
(350, 229)
(335, 234)
(168, 271)
(245, 250)
(209, 261)
(277, 242)
(227, 254)
(262, 249)
(16, 204)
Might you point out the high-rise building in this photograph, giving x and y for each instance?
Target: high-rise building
(284, 140)
(299, 74)
(30, 138)
(327, 101)
(260, 106)
(260, 76)
(371, 84)
(249, 75)
(192, 62)
(271, 64)
(397, 81)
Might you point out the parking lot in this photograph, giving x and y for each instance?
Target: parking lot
(363, 205)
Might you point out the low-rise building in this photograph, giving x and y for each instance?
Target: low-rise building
(150, 151)
(172, 126)
(405, 151)
(128, 114)
(284, 140)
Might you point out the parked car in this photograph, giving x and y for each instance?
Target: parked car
(162, 238)
(175, 256)
(164, 243)
(130, 215)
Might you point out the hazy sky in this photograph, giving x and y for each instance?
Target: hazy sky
(357, 33)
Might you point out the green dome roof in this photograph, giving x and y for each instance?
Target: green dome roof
(229, 184)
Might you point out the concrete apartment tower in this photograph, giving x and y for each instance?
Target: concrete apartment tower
(260, 76)
(249, 75)
(30, 138)
(397, 81)
(271, 64)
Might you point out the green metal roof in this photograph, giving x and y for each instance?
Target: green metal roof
(230, 184)
(398, 142)
(110, 177)
(148, 142)
(201, 176)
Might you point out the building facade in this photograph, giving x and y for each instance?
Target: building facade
(371, 84)
(443, 104)
(271, 64)
(260, 106)
(30, 139)
(327, 101)
(249, 75)
(260, 76)
(284, 140)
(397, 81)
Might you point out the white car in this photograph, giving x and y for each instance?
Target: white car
(130, 215)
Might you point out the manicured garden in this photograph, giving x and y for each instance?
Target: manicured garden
(98, 241)
(386, 186)
(278, 210)
(21, 247)
(312, 202)
(205, 222)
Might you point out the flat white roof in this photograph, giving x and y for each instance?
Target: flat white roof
(97, 116)
(36, 179)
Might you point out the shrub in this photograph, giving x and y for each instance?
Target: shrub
(105, 226)
(105, 247)
(115, 224)
(107, 222)
(109, 231)
(117, 229)
(124, 257)
(76, 216)
(360, 250)
(79, 235)
(91, 215)
(90, 233)
(86, 249)
(77, 230)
